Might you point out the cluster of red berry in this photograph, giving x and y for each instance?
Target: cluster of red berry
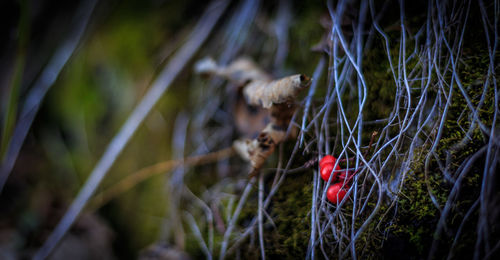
(337, 191)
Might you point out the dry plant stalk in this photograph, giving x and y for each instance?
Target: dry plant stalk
(160, 168)
(278, 96)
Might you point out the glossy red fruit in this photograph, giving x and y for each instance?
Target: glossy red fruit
(327, 159)
(343, 175)
(336, 193)
(326, 171)
(346, 175)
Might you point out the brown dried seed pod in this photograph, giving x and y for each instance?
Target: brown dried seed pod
(265, 93)
(240, 72)
(259, 90)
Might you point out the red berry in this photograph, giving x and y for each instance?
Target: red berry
(343, 175)
(336, 193)
(326, 171)
(326, 160)
(346, 175)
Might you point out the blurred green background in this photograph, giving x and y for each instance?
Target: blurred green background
(123, 49)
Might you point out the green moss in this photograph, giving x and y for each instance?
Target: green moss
(416, 216)
(290, 210)
(407, 229)
(378, 76)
